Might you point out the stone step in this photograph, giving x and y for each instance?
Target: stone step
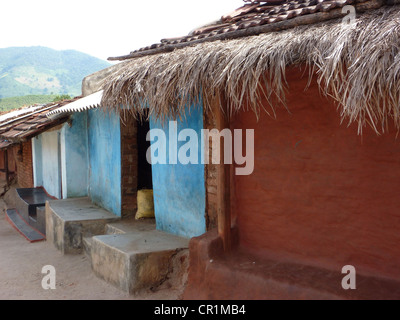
(140, 260)
(69, 221)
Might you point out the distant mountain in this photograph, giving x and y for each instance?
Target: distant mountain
(43, 71)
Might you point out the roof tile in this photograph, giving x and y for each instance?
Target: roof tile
(26, 125)
(252, 14)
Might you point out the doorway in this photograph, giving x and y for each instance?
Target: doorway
(145, 180)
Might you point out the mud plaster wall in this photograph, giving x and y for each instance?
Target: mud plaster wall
(74, 156)
(60, 159)
(320, 194)
(179, 189)
(104, 143)
(51, 163)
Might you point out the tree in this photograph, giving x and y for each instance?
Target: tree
(61, 97)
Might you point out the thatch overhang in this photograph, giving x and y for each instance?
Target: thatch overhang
(357, 65)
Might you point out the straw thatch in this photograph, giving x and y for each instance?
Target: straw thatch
(357, 65)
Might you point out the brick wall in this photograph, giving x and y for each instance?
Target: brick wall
(210, 172)
(23, 159)
(129, 165)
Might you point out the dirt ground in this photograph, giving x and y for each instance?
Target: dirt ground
(21, 264)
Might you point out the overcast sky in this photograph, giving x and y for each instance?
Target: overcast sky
(103, 28)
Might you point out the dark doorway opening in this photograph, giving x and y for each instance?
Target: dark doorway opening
(144, 167)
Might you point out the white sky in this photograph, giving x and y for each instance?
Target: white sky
(103, 28)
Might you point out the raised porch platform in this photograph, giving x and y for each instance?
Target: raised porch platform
(130, 254)
(240, 276)
(141, 258)
(69, 221)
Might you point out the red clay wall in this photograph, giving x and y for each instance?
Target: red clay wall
(320, 194)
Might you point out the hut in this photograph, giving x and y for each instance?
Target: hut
(318, 82)
(37, 170)
(179, 189)
(65, 150)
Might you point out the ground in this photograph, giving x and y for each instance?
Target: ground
(21, 275)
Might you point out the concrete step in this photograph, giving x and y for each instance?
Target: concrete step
(140, 260)
(69, 221)
(130, 226)
(87, 246)
(120, 227)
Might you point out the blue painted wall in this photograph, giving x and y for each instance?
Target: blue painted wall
(46, 162)
(37, 161)
(51, 163)
(104, 144)
(60, 159)
(74, 157)
(179, 190)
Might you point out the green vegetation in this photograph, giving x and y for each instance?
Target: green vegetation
(16, 102)
(61, 97)
(44, 71)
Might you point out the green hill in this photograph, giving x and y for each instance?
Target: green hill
(44, 71)
(7, 104)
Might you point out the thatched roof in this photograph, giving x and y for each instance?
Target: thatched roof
(356, 65)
